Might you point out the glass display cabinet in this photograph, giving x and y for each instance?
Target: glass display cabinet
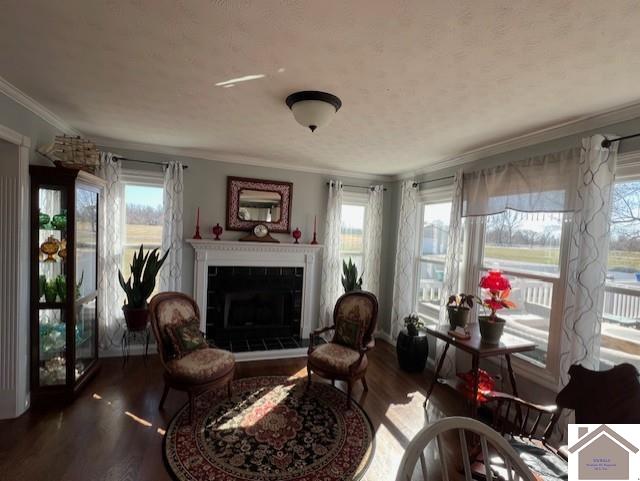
(64, 280)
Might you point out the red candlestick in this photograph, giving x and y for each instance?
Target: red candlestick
(314, 241)
(197, 234)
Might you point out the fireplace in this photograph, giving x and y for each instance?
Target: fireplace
(257, 299)
(253, 304)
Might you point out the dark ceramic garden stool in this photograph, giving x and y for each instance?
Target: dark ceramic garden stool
(412, 351)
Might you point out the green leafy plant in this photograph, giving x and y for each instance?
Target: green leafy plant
(464, 301)
(42, 283)
(413, 323)
(79, 285)
(61, 286)
(350, 280)
(50, 291)
(142, 281)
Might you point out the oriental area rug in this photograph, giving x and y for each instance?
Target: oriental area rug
(271, 429)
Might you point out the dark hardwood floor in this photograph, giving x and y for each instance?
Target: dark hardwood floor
(113, 431)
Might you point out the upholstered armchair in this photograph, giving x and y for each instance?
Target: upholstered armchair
(199, 370)
(345, 356)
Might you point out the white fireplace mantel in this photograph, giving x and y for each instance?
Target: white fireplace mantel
(259, 254)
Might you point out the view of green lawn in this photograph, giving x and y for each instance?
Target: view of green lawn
(618, 260)
(148, 235)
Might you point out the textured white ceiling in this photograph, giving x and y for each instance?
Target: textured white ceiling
(419, 80)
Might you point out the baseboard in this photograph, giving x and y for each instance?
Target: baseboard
(134, 350)
(385, 336)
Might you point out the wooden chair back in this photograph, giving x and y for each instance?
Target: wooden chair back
(362, 305)
(463, 429)
(169, 308)
(516, 417)
(598, 397)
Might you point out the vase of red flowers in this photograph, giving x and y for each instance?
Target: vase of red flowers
(497, 290)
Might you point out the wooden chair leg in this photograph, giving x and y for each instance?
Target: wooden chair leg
(308, 378)
(348, 395)
(164, 395)
(333, 382)
(364, 384)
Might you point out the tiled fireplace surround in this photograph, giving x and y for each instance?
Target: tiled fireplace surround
(265, 258)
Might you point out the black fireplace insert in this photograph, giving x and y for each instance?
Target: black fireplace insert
(254, 306)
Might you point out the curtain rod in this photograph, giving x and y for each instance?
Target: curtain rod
(164, 164)
(369, 187)
(416, 184)
(606, 143)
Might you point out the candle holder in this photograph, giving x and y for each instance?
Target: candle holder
(197, 235)
(314, 241)
(296, 235)
(217, 231)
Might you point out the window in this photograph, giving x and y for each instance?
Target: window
(434, 237)
(353, 218)
(142, 220)
(620, 341)
(528, 247)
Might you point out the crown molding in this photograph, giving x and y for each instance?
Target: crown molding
(233, 158)
(565, 129)
(14, 137)
(37, 108)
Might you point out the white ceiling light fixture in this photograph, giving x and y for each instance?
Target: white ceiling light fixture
(313, 109)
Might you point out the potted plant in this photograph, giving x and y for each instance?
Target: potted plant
(413, 323)
(50, 291)
(412, 350)
(498, 289)
(459, 308)
(350, 280)
(139, 286)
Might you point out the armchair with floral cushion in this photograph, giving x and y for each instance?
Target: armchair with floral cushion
(189, 363)
(344, 357)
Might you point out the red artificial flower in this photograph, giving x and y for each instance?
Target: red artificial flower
(495, 281)
(493, 304)
(499, 289)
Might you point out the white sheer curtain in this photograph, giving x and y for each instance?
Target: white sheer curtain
(589, 250)
(110, 252)
(171, 273)
(331, 266)
(373, 240)
(451, 279)
(406, 252)
(546, 183)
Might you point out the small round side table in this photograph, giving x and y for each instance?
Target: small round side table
(131, 337)
(412, 351)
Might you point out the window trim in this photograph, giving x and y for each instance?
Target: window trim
(436, 195)
(358, 199)
(140, 178)
(548, 375)
(627, 170)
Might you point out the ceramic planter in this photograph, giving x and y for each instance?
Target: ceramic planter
(491, 329)
(136, 319)
(458, 316)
